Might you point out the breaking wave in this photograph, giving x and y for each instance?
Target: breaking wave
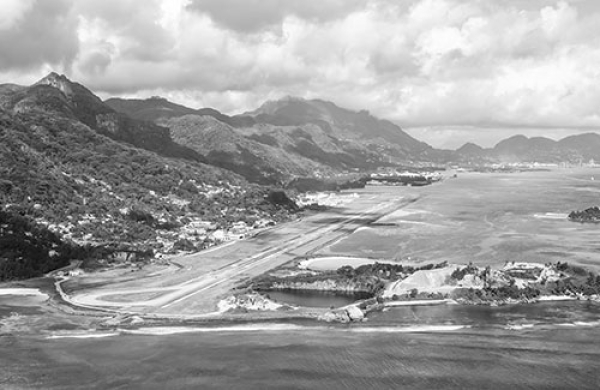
(168, 330)
(562, 325)
(161, 331)
(410, 329)
(83, 336)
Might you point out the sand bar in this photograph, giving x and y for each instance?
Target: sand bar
(333, 263)
(21, 291)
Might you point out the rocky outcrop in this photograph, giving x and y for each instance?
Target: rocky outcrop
(352, 313)
(343, 315)
(250, 302)
(60, 82)
(121, 321)
(591, 215)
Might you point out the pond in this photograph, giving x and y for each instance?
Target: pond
(312, 298)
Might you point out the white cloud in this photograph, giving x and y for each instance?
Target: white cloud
(36, 34)
(506, 63)
(13, 12)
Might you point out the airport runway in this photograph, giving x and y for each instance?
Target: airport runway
(208, 276)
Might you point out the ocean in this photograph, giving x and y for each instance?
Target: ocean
(542, 346)
(487, 219)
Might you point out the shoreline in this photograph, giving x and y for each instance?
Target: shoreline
(248, 307)
(97, 323)
(222, 265)
(196, 274)
(421, 302)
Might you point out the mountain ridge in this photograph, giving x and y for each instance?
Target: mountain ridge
(57, 95)
(286, 138)
(520, 148)
(71, 179)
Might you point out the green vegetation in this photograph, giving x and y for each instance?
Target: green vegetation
(567, 280)
(590, 215)
(28, 250)
(404, 180)
(90, 189)
(385, 271)
(321, 281)
(497, 293)
(577, 280)
(304, 184)
(370, 278)
(460, 273)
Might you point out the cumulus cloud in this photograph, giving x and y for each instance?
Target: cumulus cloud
(426, 64)
(37, 32)
(256, 15)
(13, 11)
(131, 25)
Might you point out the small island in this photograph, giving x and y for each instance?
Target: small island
(590, 215)
(392, 284)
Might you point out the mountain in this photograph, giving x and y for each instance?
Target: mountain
(57, 95)
(586, 145)
(472, 154)
(259, 159)
(284, 139)
(61, 172)
(156, 108)
(341, 124)
(470, 149)
(516, 145)
(519, 148)
(148, 109)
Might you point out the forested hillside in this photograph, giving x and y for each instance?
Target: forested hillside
(287, 139)
(29, 250)
(70, 179)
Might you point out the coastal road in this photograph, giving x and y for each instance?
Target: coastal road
(207, 276)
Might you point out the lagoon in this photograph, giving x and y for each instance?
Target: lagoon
(315, 298)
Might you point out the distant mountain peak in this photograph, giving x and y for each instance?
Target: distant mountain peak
(469, 147)
(270, 107)
(58, 81)
(290, 98)
(518, 137)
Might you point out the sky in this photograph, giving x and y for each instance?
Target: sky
(447, 71)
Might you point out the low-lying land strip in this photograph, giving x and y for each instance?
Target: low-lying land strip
(225, 281)
(206, 277)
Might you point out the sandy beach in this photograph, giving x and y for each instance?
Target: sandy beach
(22, 291)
